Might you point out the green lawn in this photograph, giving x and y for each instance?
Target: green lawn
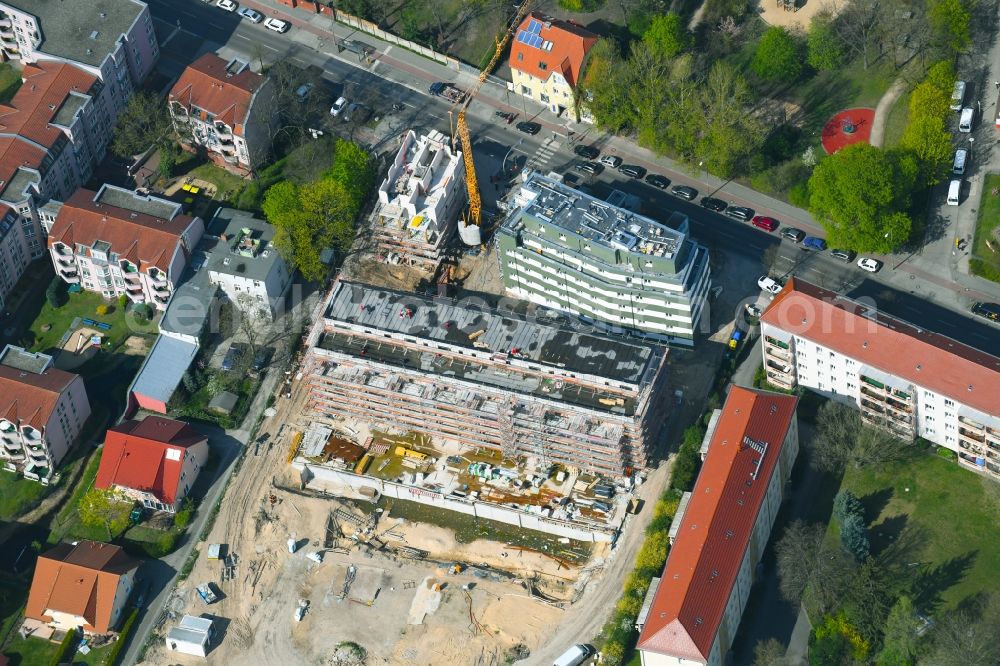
(83, 305)
(985, 262)
(18, 494)
(67, 525)
(10, 81)
(958, 544)
(852, 86)
(895, 123)
(228, 186)
(30, 651)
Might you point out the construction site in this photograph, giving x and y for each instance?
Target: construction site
(295, 574)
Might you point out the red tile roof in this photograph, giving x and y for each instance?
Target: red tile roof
(207, 85)
(141, 238)
(135, 456)
(569, 41)
(14, 154)
(46, 85)
(79, 580)
(715, 531)
(858, 331)
(30, 398)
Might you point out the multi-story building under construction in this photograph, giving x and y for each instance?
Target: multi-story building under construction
(419, 201)
(462, 371)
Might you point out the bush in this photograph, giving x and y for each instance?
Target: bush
(122, 637)
(759, 377)
(164, 545)
(122, 301)
(847, 504)
(66, 648)
(55, 293)
(688, 459)
(102, 309)
(183, 517)
(798, 195)
(947, 454)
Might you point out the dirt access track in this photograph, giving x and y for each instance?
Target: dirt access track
(463, 618)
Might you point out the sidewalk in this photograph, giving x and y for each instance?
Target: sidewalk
(416, 72)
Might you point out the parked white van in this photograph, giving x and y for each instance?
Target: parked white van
(965, 120)
(958, 95)
(958, 165)
(954, 190)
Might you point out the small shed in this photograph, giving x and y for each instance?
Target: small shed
(223, 403)
(191, 636)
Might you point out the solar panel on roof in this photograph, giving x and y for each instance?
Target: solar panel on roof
(522, 36)
(534, 27)
(536, 41)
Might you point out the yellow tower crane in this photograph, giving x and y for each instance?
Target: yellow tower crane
(471, 183)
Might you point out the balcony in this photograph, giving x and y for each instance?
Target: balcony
(871, 382)
(223, 129)
(874, 395)
(872, 406)
(70, 276)
(901, 394)
(970, 423)
(973, 436)
(898, 406)
(778, 353)
(776, 342)
(780, 367)
(780, 380)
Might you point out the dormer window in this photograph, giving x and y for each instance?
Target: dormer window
(542, 66)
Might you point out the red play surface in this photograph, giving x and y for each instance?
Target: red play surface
(834, 137)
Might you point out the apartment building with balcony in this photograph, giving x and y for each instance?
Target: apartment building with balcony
(113, 40)
(116, 242)
(908, 380)
(226, 110)
(42, 412)
(611, 267)
(419, 201)
(14, 252)
(471, 374)
(693, 611)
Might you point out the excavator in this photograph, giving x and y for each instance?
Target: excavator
(470, 229)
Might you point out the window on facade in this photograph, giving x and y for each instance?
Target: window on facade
(544, 98)
(949, 403)
(526, 91)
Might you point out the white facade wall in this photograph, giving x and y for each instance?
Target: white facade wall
(15, 253)
(262, 295)
(23, 446)
(125, 585)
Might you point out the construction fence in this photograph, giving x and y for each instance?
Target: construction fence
(375, 31)
(572, 530)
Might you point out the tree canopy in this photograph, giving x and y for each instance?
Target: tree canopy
(824, 50)
(776, 57)
(104, 508)
(927, 134)
(950, 19)
(667, 35)
(144, 123)
(315, 216)
(859, 195)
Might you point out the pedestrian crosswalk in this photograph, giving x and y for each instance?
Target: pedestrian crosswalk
(543, 155)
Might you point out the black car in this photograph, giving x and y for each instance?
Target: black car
(632, 170)
(589, 167)
(656, 180)
(711, 203)
(528, 127)
(847, 256)
(741, 213)
(684, 192)
(234, 356)
(989, 310)
(587, 152)
(793, 234)
(261, 358)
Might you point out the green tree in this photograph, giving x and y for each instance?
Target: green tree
(353, 168)
(847, 504)
(776, 57)
(899, 643)
(927, 135)
(854, 537)
(950, 19)
(103, 508)
(168, 159)
(605, 87)
(769, 653)
(858, 195)
(667, 35)
(730, 133)
(653, 553)
(55, 293)
(144, 122)
(824, 49)
(941, 75)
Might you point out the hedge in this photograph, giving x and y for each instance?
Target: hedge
(122, 637)
(66, 648)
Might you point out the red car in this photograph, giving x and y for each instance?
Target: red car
(764, 222)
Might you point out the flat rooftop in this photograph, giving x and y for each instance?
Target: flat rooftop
(14, 191)
(237, 243)
(128, 200)
(68, 110)
(470, 324)
(25, 361)
(597, 221)
(85, 32)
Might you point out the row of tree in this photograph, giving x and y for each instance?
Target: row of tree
(320, 215)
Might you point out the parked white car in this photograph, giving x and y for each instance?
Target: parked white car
(767, 284)
(870, 265)
(277, 25)
(338, 106)
(227, 5)
(251, 15)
